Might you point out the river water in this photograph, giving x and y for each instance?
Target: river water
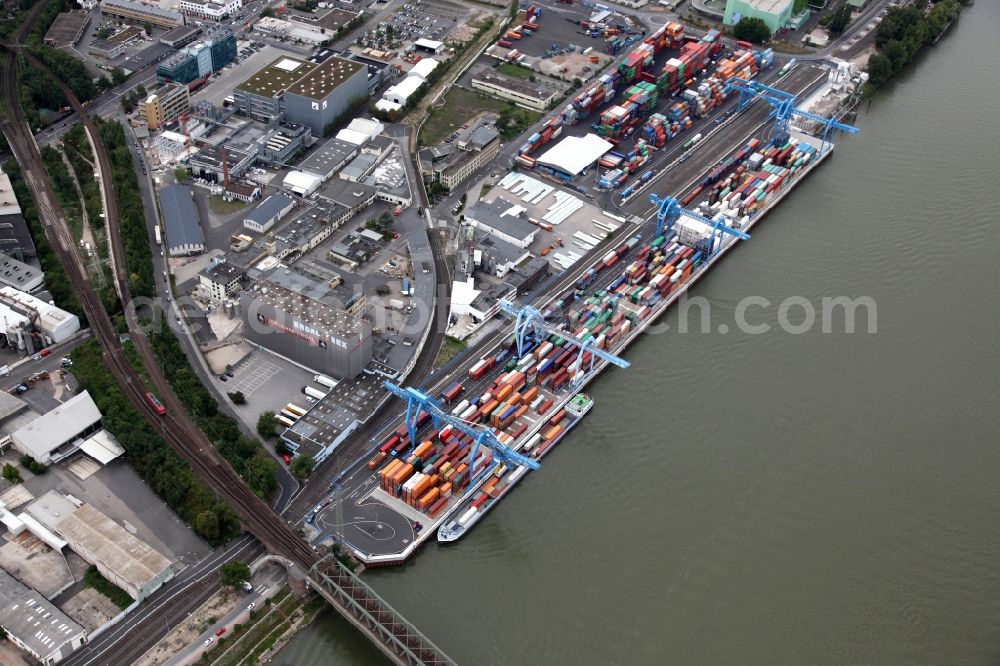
(775, 498)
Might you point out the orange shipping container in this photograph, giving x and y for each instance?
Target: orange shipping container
(515, 399)
(521, 411)
(551, 433)
(446, 489)
(491, 484)
(530, 394)
(430, 496)
(504, 392)
(389, 469)
(421, 451)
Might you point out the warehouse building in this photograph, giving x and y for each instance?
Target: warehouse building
(268, 213)
(355, 197)
(67, 28)
(329, 158)
(137, 12)
(429, 46)
(403, 91)
(51, 325)
(165, 105)
(317, 99)
(121, 557)
(310, 333)
(572, 156)
(423, 68)
(209, 165)
(180, 221)
(775, 13)
(538, 95)
(301, 183)
(497, 219)
(302, 92)
(359, 167)
(59, 433)
(36, 625)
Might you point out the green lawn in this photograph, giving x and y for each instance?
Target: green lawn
(220, 206)
(510, 69)
(463, 105)
(450, 348)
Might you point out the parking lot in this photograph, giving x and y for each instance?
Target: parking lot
(429, 19)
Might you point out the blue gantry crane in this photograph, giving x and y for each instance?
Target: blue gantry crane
(529, 322)
(670, 209)
(417, 400)
(783, 109)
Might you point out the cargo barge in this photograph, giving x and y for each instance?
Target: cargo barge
(477, 505)
(655, 274)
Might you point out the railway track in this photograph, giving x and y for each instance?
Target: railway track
(175, 426)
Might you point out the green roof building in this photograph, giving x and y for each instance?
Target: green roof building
(775, 13)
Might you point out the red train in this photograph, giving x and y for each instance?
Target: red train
(155, 403)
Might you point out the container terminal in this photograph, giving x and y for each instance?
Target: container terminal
(421, 478)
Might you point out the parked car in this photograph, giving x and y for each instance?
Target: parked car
(251, 605)
(287, 459)
(45, 352)
(220, 631)
(208, 641)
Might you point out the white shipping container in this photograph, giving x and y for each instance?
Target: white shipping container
(462, 406)
(537, 437)
(467, 414)
(467, 516)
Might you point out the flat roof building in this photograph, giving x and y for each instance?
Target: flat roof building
(180, 221)
(774, 13)
(121, 557)
(306, 331)
(19, 275)
(180, 36)
(494, 217)
(452, 163)
(359, 167)
(220, 280)
(538, 95)
(67, 28)
(429, 45)
(302, 183)
(35, 624)
(105, 48)
(60, 432)
(329, 158)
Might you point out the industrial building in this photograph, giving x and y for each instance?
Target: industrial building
(491, 255)
(497, 219)
(775, 13)
(423, 68)
(121, 557)
(137, 12)
(212, 165)
(286, 30)
(538, 95)
(355, 197)
(306, 231)
(19, 275)
(211, 9)
(164, 105)
(59, 433)
(319, 283)
(301, 92)
(50, 325)
(15, 238)
(220, 280)
(105, 48)
(180, 221)
(268, 213)
(306, 331)
(451, 163)
(359, 167)
(572, 156)
(429, 46)
(35, 624)
(329, 158)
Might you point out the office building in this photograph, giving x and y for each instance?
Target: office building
(536, 95)
(220, 280)
(164, 105)
(452, 163)
(211, 9)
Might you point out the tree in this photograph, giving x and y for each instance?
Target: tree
(206, 524)
(267, 425)
(234, 573)
(118, 76)
(11, 474)
(237, 397)
(840, 20)
(148, 27)
(302, 466)
(752, 30)
(879, 69)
